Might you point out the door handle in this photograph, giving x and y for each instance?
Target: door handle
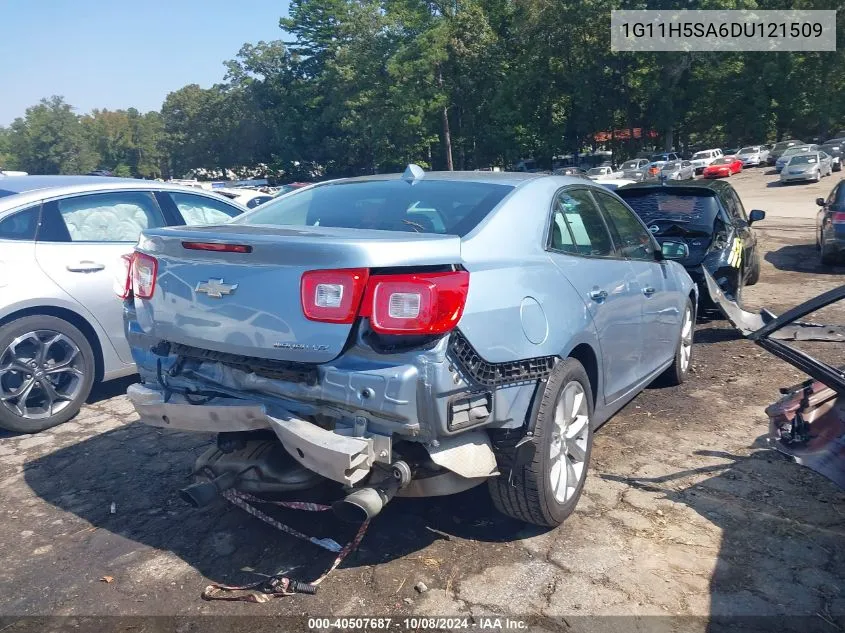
(598, 295)
(85, 267)
(648, 291)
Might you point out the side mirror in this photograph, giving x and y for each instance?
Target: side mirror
(674, 250)
(756, 215)
(820, 202)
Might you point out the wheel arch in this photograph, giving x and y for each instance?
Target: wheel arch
(75, 319)
(586, 355)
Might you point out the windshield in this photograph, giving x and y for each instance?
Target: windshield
(699, 155)
(783, 145)
(427, 206)
(6, 192)
(659, 158)
(631, 164)
(749, 150)
(693, 211)
(597, 171)
(803, 159)
(671, 166)
(722, 161)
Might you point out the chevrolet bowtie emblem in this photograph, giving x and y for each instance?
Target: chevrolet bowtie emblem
(215, 288)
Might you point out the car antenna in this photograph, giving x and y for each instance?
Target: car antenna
(413, 173)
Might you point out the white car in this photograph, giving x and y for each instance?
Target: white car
(250, 198)
(600, 173)
(615, 183)
(702, 159)
(753, 155)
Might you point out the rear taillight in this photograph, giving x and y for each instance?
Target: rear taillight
(423, 303)
(333, 296)
(123, 282)
(837, 218)
(143, 269)
(416, 303)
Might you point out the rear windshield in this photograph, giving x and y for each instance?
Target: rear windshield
(699, 155)
(749, 150)
(427, 206)
(597, 171)
(631, 164)
(784, 145)
(723, 161)
(692, 212)
(659, 158)
(671, 166)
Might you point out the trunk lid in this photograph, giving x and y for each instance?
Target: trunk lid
(249, 303)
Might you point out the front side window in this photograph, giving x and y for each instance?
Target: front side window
(200, 210)
(425, 206)
(105, 217)
(577, 226)
(636, 241)
(258, 201)
(21, 225)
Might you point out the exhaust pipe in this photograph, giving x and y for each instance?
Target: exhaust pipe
(203, 493)
(365, 503)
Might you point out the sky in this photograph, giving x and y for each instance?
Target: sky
(108, 54)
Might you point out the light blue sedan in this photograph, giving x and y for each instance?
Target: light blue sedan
(408, 335)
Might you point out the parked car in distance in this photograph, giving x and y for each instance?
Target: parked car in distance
(250, 198)
(634, 169)
(807, 166)
(614, 183)
(703, 158)
(445, 338)
(664, 157)
(732, 151)
(830, 225)
(293, 186)
(753, 155)
(677, 170)
(63, 241)
(570, 171)
(792, 151)
(605, 171)
(780, 148)
(708, 216)
(723, 167)
(835, 147)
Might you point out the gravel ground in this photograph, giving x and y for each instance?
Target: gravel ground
(686, 512)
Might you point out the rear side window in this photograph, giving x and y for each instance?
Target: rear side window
(426, 206)
(108, 217)
(21, 225)
(577, 226)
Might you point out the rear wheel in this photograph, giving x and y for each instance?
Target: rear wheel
(678, 370)
(546, 490)
(46, 373)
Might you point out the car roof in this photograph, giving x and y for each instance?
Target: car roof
(513, 178)
(691, 186)
(33, 188)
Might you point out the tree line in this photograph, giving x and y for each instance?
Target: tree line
(367, 86)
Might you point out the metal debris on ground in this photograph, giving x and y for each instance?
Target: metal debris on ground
(279, 585)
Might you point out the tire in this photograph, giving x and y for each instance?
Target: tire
(827, 258)
(68, 366)
(530, 495)
(677, 372)
(754, 273)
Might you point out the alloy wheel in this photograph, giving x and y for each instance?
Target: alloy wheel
(41, 373)
(568, 451)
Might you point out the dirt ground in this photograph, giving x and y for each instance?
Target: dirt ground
(686, 511)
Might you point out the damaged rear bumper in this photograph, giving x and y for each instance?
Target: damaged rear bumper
(340, 458)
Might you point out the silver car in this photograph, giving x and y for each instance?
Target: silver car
(63, 242)
(634, 169)
(677, 170)
(785, 157)
(806, 166)
(424, 333)
(753, 155)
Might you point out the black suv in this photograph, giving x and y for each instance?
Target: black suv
(708, 216)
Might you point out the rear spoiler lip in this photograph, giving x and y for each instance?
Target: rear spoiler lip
(768, 330)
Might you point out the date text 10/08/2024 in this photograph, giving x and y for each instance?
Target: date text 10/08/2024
(725, 29)
(418, 623)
